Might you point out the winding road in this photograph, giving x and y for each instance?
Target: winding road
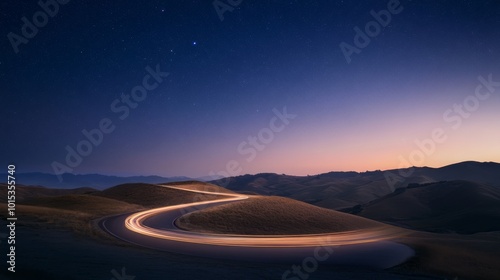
(156, 229)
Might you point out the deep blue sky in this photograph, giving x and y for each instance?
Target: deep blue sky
(226, 77)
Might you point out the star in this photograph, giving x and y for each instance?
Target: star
(194, 43)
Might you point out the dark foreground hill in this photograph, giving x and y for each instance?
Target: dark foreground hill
(450, 206)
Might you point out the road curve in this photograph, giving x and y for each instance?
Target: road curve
(155, 228)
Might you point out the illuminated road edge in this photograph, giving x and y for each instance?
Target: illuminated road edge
(135, 222)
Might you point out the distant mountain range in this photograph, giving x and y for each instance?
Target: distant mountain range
(334, 190)
(95, 181)
(342, 190)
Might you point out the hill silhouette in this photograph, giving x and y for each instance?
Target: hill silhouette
(339, 190)
(448, 206)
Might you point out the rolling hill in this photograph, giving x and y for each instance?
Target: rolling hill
(448, 206)
(272, 215)
(149, 195)
(24, 193)
(77, 208)
(339, 190)
(96, 181)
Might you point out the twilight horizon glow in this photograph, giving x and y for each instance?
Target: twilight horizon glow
(425, 91)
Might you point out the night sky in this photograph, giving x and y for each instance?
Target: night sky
(227, 79)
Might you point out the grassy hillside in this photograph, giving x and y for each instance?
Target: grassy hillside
(24, 193)
(336, 190)
(449, 206)
(150, 196)
(76, 209)
(198, 186)
(271, 215)
(73, 212)
(89, 204)
(339, 190)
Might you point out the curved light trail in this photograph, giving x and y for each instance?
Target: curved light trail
(137, 223)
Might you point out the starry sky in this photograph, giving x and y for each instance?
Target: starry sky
(233, 70)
